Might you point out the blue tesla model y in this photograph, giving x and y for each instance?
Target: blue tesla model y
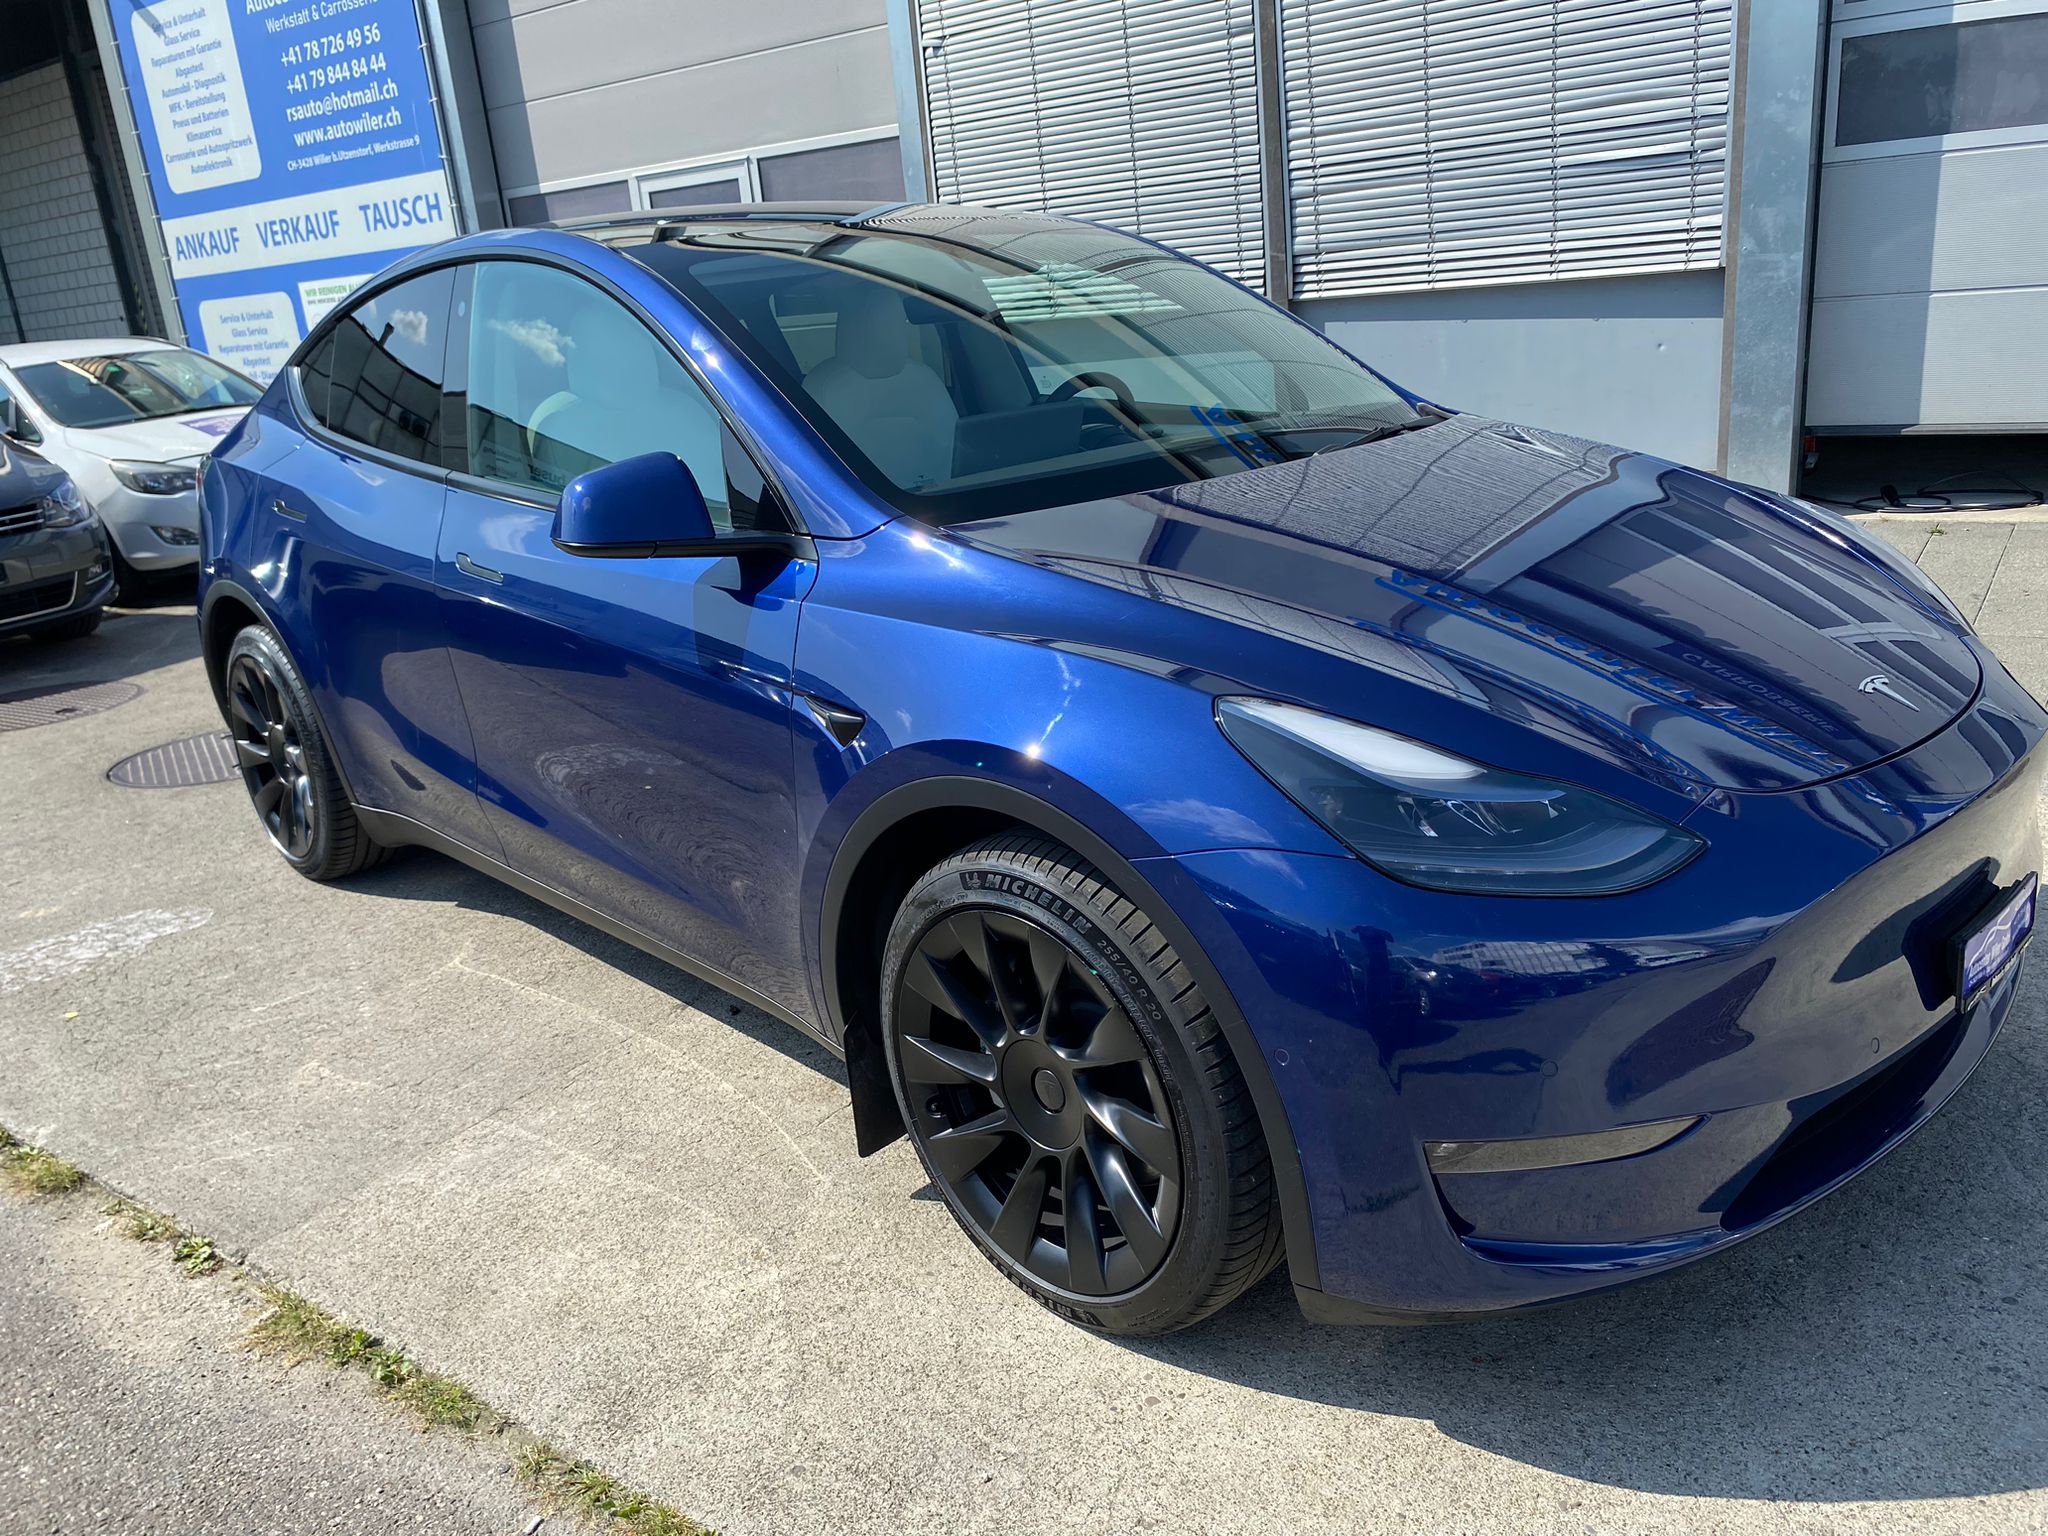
(1223, 807)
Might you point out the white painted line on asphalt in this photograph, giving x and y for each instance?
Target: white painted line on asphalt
(69, 953)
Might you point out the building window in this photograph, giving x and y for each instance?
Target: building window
(868, 170)
(570, 203)
(1927, 82)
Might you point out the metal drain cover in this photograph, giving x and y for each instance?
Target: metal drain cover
(208, 759)
(46, 706)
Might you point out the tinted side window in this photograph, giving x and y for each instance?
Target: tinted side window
(563, 379)
(378, 375)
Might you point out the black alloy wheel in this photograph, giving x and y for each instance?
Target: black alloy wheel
(1070, 1092)
(272, 755)
(286, 763)
(1038, 1102)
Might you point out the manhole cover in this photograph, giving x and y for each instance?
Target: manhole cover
(46, 706)
(208, 759)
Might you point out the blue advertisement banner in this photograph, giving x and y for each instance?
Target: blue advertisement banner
(293, 151)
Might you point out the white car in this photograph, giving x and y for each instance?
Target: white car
(129, 418)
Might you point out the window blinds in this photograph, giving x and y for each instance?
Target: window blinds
(1141, 114)
(1436, 143)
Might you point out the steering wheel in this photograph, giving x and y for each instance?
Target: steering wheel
(1066, 389)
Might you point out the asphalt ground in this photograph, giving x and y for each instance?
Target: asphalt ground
(130, 1406)
(625, 1209)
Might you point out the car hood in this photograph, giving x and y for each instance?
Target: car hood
(1696, 627)
(165, 440)
(24, 476)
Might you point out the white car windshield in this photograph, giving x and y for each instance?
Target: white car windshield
(133, 386)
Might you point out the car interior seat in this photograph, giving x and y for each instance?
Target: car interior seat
(896, 409)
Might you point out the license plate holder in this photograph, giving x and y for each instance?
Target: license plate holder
(1993, 940)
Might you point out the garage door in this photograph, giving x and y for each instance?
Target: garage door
(60, 273)
(1930, 290)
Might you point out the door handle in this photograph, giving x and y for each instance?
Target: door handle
(469, 567)
(279, 506)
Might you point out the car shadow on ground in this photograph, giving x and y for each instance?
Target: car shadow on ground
(127, 643)
(417, 875)
(1890, 1344)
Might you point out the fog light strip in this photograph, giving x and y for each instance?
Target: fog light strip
(1553, 1151)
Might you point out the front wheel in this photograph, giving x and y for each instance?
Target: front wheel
(130, 585)
(286, 763)
(1070, 1093)
(74, 627)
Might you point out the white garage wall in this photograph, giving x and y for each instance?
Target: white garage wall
(578, 89)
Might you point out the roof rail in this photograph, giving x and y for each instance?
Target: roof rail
(803, 213)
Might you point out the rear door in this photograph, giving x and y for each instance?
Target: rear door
(364, 499)
(632, 716)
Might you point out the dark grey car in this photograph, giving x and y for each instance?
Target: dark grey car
(56, 569)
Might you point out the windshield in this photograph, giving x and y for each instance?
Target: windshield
(133, 386)
(1040, 365)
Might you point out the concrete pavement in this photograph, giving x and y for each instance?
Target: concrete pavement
(1996, 570)
(626, 1210)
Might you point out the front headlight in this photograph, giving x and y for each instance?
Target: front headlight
(64, 507)
(1444, 822)
(155, 479)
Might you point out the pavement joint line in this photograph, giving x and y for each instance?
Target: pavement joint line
(1990, 582)
(309, 1332)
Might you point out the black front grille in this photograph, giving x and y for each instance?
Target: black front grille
(35, 597)
(21, 519)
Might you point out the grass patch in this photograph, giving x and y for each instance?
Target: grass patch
(295, 1329)
(192, 1253)
(196, 1255)
(598, 1495)
(140, 1224)
(32, 1171)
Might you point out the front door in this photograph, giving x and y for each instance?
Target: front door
(355, 520)
(632, 717)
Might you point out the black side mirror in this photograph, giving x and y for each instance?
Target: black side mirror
(651, 505)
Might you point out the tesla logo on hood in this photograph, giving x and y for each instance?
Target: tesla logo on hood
(1877, 682)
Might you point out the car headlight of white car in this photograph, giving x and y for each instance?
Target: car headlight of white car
(155, 479)
(64, 507)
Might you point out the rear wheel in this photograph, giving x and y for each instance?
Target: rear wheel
(1070, 1093)
(286, 763)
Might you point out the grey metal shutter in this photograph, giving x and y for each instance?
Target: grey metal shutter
(1142, 114)
(59, 265)
(1438, 143)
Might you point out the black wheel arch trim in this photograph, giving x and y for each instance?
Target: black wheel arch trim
(865, 1068)
(223, 587)
(219, 589)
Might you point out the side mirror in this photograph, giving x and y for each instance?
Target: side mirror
(10, 417)
(645, 505)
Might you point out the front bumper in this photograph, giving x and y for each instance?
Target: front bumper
(51, 573)
(1792, 986)
(133, 519)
